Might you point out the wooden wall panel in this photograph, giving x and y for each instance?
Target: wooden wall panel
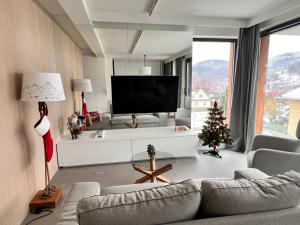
(29, 42)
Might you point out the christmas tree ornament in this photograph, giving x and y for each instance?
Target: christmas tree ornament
(215, 131)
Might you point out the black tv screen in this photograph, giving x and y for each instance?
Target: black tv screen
(144, 94)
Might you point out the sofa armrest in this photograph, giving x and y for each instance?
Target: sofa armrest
(106, 118)
(277, 161)
(277, 143)
(163, 119)
(250, 173)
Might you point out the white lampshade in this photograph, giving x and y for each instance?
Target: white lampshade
(42, 87)
(146, 70)
(82, 85)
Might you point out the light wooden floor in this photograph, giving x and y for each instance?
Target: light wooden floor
(202, 166)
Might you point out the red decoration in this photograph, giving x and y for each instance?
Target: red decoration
(215, 104)
(84, 109)
(48, 145)
(42, 127)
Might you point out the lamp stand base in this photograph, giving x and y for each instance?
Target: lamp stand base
(41, 201)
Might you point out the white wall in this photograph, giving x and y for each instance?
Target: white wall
(94, 69)
(134, 67)
(108, 74)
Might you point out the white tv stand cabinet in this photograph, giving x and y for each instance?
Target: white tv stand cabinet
(122, 144)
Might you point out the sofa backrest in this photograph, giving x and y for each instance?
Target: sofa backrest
(159, 205)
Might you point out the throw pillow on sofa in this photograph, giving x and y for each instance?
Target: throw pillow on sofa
(159, 205)
(232, 197)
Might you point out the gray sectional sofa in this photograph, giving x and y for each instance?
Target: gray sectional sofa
(281, 153)
(120, 121)
(253, 198)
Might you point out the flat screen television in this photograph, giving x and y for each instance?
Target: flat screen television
(144, 94)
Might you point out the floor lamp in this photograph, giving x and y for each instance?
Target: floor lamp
(83, 85)
(42, 88)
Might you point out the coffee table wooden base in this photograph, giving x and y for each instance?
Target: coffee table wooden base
(152, 175)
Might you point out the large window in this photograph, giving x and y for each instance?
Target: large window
(212, 76)
(278, 105)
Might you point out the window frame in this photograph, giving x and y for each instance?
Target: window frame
(262, 72)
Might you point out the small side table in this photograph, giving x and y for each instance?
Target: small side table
(153, 174)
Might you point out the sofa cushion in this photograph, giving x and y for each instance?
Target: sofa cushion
(147, 119)
(248, 196)
(83, 190)
(67, 215)
(121, 120)
(180, 202)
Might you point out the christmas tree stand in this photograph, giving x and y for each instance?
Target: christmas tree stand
(213, 152)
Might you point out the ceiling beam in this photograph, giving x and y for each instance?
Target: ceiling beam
(139, 33)
(140, 26)
(135, 41)
(142, 18)
(275, 11)
(77, 12)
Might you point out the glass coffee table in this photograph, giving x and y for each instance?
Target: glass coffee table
(153, 166)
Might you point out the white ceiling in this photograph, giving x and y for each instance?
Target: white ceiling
(244, 9)
(123, 6)
(210, 16)
(116, 42)
(163, 43)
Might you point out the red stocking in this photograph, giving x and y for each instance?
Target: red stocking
(42, 127)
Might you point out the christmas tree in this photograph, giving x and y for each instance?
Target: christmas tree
(215, 131)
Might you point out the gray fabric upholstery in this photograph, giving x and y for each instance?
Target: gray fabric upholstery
(276, 143)
(188, 102)
(298, 130)
(147, 119)
(67, 215)
(277, 161)
(249, 173)
(242, 119)
(106, 117)
(183, 117)
(83, 190)
(180, 202)
(183, 113)
(163, 119)
(249, 196)
(130, 188)
(121, 120)
(282, 154)
(289, 216)
(183, 122)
